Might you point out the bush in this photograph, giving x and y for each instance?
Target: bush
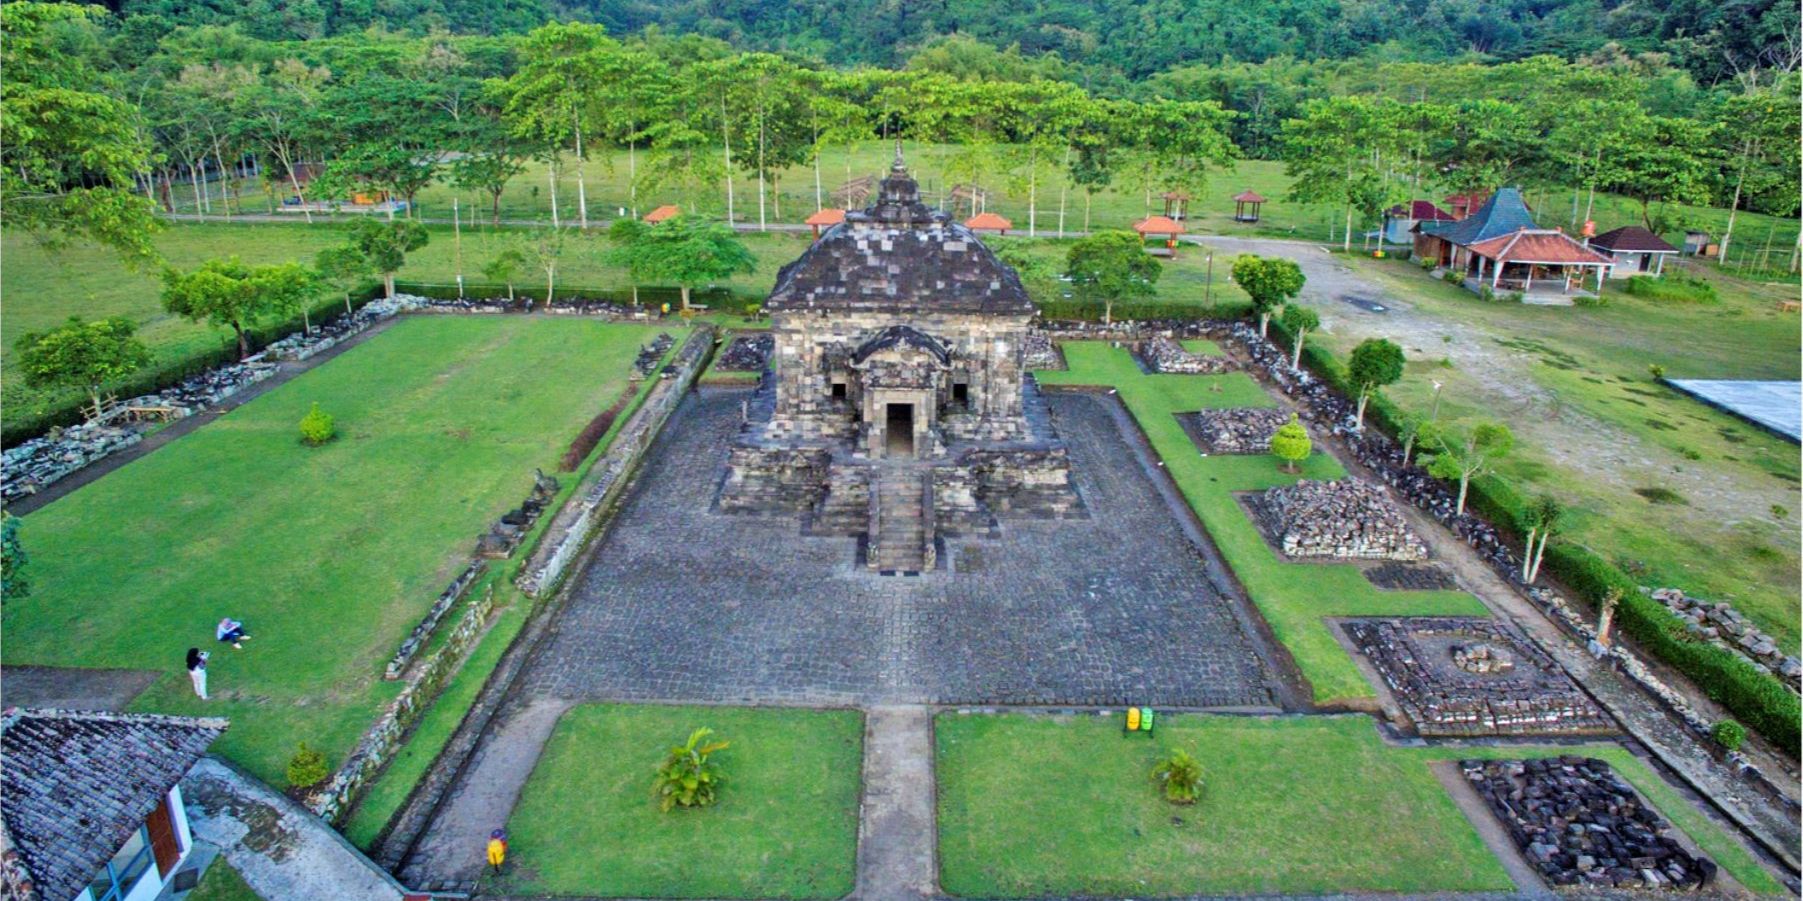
(1427, 264)
(1180, 776)
(1729, 734)
(1676, 287)
(1590, 300)
(316, 428)
(687, 778)
(1453, 277)
(307, 767)
(1487, 293)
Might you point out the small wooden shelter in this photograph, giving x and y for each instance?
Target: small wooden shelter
(1176, 205)
(1635, 251)
(667, 211)
(826, 218)
(855, 194)
(990, 223)
(975, 195)
(1245, 206)
(1160, 227)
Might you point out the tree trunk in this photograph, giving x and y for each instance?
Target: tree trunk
(194, 182)
(1358, 421)
(494, 207)
(1540, 556)
(1032, 192)
(1464, 486)
(685, 296)
(1264, 319)
(763, 225)
(581, 189)
(1746, 149)
(1527, 557)
(726, 142)
(1347, 247)
(243, 343)
(1296, 352)
(510, 291)
(1408, 449)
(347, 305)
(550, 285)
(306, 321)
(551, 176)
(1064, 189)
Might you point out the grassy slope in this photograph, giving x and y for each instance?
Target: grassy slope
(1292, 805)
(1596, 361)
(330, 555)
(1293, 597)
(222, 883)
(786, 824)
(42, 289)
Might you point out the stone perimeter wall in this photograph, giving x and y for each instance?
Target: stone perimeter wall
(333, 800)
(577, 522)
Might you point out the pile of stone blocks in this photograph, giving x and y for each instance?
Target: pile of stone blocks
(1581, 826)
(1164, 354)
(1239, 430)
(1039, 351)
(1463, 676)
(1345, 519)
(746, 353)
(652, 354)
(1724, 626)
(507, 533)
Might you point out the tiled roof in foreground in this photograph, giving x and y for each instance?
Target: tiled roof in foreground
(76, 784)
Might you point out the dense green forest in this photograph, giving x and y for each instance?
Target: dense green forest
(107, 118)
(1102, 41)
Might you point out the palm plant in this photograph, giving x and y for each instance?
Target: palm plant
(1180, 774)
(687, 778)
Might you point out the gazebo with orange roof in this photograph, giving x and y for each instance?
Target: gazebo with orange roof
(989, 222)
(667, 211)
(825, 218)
(1160, 225)
(1176, 204)
(1245, 206)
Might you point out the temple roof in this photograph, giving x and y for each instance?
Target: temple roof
(897, 336)
(1504, 213)
(899, 254)
(77, 784)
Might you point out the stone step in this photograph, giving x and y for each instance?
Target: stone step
(899, 539)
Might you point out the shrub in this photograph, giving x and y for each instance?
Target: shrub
(1427, 263)
(1290, 443)
(1590, 300)
(687, 778)
(1677, 287)
(1729, 734)
(307, 767)
(316, 428)
(1180, 776)
(1516, 297)
(1487, 294)
(1453, 277)
(1655, 370)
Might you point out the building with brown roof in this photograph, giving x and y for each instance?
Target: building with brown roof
(824, 218)
(989, 223)
(90, 805)
(1634, 250)
(1160, 227)
(667, 211)
(1501, 248)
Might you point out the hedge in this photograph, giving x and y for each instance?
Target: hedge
(1751, 693)
(713, 298)
(1091, 311)
(170, 373)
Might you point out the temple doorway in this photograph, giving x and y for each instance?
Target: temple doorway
(898, 431)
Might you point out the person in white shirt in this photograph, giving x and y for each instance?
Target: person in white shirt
(231, 630)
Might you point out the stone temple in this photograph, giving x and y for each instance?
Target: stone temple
(897, 406)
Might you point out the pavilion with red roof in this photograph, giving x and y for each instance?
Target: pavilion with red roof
(1160, 227)
(1245, 206)
(667, 211)
(1500, 247)
(824, 219)
(987, 222)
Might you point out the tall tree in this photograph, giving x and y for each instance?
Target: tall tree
(1374, 363)
(227, 293)
(386, 245)
(1463, 453)
(555, 94)
(81, 354)
(73, 150)
(1326, 153)
(1111, 266)
(686, 251)
(1270, 281)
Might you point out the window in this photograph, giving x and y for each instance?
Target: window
(960, 394)
(121, 874)
(838, 391)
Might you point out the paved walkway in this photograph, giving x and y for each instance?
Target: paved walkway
(897, 842)
(282, 851)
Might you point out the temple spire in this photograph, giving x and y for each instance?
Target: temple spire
(898, 165)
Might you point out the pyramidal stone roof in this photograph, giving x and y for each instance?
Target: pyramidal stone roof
(77, 784)
(1505, 212)
(899, 255)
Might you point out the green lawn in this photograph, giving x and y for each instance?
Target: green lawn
(1294, 598)
(1299, 804)
(1721, 539)
(329, 555)
(221, 882)
(785, 826)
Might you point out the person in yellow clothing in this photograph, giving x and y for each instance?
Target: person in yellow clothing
(497, 850)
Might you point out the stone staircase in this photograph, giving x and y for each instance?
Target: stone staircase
(901, 527)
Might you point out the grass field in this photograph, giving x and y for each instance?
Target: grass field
(1614, 440)
(1300, 805)
(1293, 597)
(785, 825)
(329, 554)
(222, 883)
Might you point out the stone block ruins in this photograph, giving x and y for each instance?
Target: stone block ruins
(1722, 625)
(1238, 430)
(746, 352)
(1581, 826)
(1459, 676)
(900, 406)
(1345, 519)
(1166, 354)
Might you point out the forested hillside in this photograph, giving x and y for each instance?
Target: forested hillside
(1104, 39)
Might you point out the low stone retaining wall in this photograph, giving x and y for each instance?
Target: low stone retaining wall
(1163, 353)
(576, 523)
(1723, 626)
(1237, 430)
(422, 633)
(332, 800)
(39, 463)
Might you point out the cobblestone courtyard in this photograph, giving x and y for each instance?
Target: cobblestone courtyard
(682, 604)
